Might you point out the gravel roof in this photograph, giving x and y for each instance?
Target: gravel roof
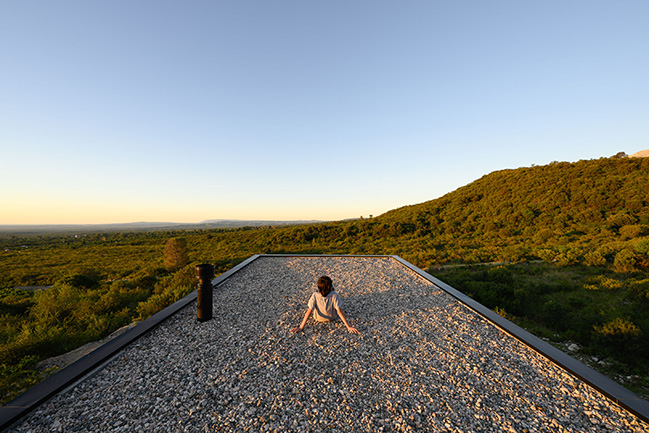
(423, 362)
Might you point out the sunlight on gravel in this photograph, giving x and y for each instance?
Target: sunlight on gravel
(423, 362)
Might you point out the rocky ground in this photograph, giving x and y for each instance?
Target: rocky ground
(62, 361)
(423, 362)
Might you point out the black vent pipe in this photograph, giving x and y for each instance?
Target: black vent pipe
(204, 273)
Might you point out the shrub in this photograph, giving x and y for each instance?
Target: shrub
(16, 378)
(618, 328)
(568, 256)
(544, 235)
(631, 231)
(167, 291)
(123, 294)
(555, 313)
(15, 302)
(80, 281)
(546, 255)
(618, 337)
(625, 261)
(595, 258)
(620, 219)
(55, 305)
(640, 289)
(643, 246)
(501, 312)
(98, 326)
(609, 283)
(500, 274)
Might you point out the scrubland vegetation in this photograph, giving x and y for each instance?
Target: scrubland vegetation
(576, 236)
(593, 313)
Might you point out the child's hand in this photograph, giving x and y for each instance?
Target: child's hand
(352, 330)
(296, 329)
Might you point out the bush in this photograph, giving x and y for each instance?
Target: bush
(608, 283)
(618, 336)
(544, 235)
(625, 261)
(546, 255)
(15, 302)
(640, 290)
(643, 246)
(620, 220)
(631, 231)
(568, 256)
(17, 378)
(167, 291)
(555, 313)
(595, 258)
(55, 306)
(124, 294)
(80, 281)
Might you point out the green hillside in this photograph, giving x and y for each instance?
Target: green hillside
(561, 196)
(584, 211)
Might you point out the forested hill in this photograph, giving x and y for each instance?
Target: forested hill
(557, 204)
(586, 196)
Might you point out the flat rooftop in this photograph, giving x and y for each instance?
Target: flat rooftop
(424, 361)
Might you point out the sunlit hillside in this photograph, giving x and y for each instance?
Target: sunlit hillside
(578, 211)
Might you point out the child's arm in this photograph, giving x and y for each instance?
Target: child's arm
(306, 317)
(349, 328)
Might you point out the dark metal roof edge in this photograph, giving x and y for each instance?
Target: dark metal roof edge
(613, 390)
(224, 276)
(327, 255)
(17, 408)
(20, 406)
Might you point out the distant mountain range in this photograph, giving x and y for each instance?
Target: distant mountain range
(142, 226)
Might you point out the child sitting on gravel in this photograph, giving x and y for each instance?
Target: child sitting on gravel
(325, 306)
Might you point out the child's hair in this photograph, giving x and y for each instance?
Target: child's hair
(325, 285)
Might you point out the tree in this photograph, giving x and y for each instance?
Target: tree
(175, 254)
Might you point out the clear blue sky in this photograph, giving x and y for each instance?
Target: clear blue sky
(123, 111)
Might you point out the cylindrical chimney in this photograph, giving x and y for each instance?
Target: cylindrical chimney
(204, 273)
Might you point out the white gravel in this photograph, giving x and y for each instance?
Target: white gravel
(423, 362)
